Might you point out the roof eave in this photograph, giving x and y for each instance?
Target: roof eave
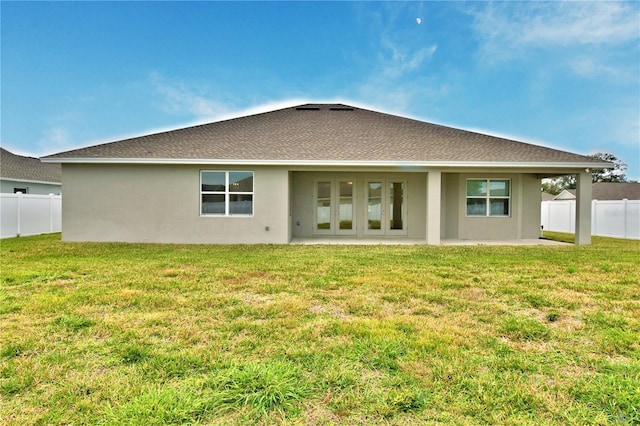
(332, 163)
(45, 182)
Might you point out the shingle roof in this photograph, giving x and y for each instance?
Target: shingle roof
(14, 166)
(614, 191)
(324, 132)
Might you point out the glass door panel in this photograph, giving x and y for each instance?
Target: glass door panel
(396, 206)
(323, 206)
(374, 207)
(346, 206)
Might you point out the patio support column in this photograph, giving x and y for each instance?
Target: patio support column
(583, 207)
(434, 185)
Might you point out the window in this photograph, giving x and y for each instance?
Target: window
(488, 197)
(24, 190)
(226, 193)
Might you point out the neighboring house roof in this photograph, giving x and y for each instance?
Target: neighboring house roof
(611, 191)
(548, 197)
(325, 134)
(17, 167)
(566, 194)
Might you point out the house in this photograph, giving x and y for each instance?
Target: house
(566, 194)
(28, 175)
(615, 191)
(604, 191)
(546, 196)
(314, 171)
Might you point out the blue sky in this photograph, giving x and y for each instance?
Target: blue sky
(559, 74)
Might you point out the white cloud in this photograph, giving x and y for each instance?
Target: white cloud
(54, 139)
(399, 73)
(602, 65)
(512, 29)
(403, 60)
(558, 23)
(401, 97)
(579, 23)
(183, 99)
(400, 77)
(626, 127)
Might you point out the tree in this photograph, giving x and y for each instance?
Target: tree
(611, 174)
(552, 186)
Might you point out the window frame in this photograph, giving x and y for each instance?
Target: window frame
(227, 193)
(488, 197)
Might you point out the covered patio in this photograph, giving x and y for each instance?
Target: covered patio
(405, 241)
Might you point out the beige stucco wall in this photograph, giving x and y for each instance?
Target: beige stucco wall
(450, 205)
(161, 203)
(522, 223)
(303, 200)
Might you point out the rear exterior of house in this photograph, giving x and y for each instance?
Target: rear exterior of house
(312, 171)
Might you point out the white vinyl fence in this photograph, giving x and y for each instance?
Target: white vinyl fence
(29, 214)
(615, 218)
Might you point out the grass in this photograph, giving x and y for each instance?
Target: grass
(320, 335)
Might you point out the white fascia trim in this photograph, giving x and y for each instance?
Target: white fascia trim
(30, 181)
(332, 163)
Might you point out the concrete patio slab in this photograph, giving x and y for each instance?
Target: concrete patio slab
(404, 241)
(357, 241)
(531, 242)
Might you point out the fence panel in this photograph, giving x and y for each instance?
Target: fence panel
(610, 218)
(633, 219)
(56, 214)
(8, 215)
(29, 214)
(559, 215)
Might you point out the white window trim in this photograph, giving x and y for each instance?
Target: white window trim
(488, 197)
(227, 194)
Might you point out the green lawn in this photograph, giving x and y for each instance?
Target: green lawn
(170, 334)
